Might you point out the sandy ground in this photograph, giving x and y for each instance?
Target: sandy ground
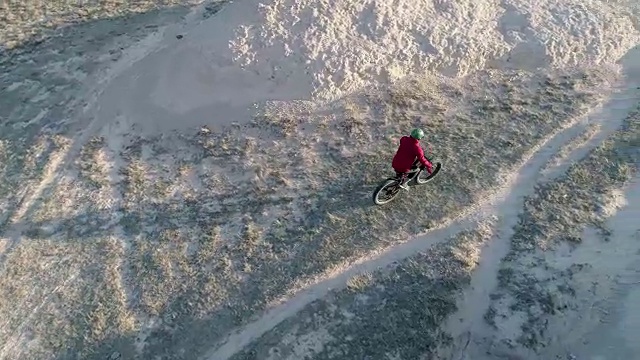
(186, 182)
(607, 328)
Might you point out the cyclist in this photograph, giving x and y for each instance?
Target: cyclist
(405, 157)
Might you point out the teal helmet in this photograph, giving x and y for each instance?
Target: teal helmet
(417, 134)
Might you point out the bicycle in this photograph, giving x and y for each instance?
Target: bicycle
(390, 187)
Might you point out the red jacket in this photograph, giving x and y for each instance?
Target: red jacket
(407, 153)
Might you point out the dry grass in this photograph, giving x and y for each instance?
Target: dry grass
(210, 229)
(391, 313)
(38, 164)
(91, 162)
(555, 216)
(73, 292)
(359, 282)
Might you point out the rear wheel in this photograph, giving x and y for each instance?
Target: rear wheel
(386, 192)
(424, 177)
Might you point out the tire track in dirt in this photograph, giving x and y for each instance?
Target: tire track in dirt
(115, 136)
(504, 202)
(17, 220)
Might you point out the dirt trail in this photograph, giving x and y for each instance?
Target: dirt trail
(468, 324)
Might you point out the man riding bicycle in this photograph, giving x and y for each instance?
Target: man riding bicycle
(405, 157)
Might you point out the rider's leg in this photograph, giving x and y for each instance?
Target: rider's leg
(403, 178)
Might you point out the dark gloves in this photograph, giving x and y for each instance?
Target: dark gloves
(428, 167)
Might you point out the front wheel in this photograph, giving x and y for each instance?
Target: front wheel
(424, 177)
(386, 192)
